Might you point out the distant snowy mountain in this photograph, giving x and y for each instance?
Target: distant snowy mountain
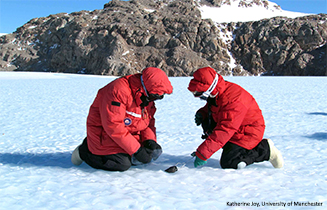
(243, 11)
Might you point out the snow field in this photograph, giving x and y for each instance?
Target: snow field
(43, 118)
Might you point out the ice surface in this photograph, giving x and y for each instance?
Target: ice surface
(43, 117)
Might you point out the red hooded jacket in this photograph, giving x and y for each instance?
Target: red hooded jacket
(116, 122)
(237, 114)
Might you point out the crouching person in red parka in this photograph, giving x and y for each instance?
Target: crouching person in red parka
(121, 125)
(231, 120)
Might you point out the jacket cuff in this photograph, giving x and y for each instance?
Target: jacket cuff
(199, 155)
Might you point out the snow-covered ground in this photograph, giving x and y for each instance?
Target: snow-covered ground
(43, 117)
(233, 12)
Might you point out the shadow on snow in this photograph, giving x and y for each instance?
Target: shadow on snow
(317, 113)
(318, 136)
(62, 160)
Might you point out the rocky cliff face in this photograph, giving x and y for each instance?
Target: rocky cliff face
(283, 46)
(127, 36)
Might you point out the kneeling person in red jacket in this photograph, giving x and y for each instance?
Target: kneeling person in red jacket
(120, 125)
(231, 120)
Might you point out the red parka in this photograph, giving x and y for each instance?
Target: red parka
(116, 122)
(237, 114)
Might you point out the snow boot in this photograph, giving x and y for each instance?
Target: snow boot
(76, 159)
(241, 165)
(275, 158)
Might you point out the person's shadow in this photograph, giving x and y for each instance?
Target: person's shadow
(181, 161)
(62, 160)
(59, 159)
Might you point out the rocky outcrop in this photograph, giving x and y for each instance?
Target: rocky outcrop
(126, 36)
(283, 46)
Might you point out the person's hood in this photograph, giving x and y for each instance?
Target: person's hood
(203, 78)
(156, 81)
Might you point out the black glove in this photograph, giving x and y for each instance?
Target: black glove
(154, 146)
(198, 118)
(144, 155)
(151, 144)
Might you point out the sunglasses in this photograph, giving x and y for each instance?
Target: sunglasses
(153, 97)
(197, 94)
(200, 94)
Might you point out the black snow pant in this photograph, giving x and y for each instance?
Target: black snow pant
(233, 154)
(115, 162)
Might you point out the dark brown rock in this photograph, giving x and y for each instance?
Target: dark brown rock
(126, 36)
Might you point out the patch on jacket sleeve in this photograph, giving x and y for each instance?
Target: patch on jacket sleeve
(128, 121)
(115, 103)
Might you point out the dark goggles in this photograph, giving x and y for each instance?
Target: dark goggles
(200, 94)
(197, 94)
(153, 97)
